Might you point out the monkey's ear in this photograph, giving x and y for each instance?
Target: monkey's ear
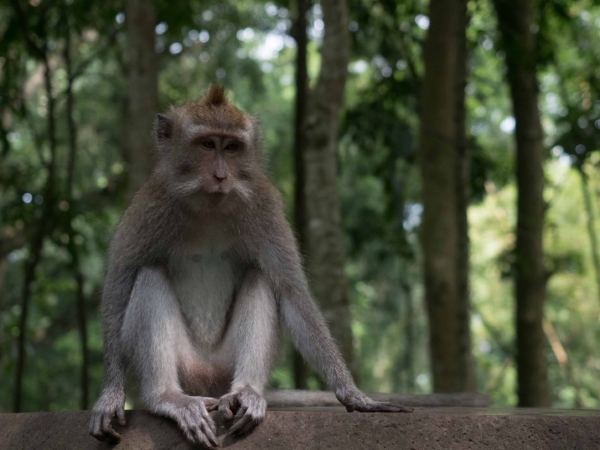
(163, 127)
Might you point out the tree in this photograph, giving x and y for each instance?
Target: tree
(591, 222)
(516, 22)
(75, 263)
(42, 230)
(444, 169)
(142, 100)
(465, 372)
(299, 33)
(324, 245)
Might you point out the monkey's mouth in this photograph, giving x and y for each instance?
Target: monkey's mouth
(219, 190)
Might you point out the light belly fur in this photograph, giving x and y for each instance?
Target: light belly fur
(204, 285)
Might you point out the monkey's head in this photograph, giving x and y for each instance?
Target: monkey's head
(208, 146)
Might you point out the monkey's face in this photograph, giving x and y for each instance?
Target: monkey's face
(208, 146)
(205, 159)
(215, 160)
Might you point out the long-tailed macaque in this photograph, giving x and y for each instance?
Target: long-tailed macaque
(201, 268)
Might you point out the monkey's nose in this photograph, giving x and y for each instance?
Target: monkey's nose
(220, 177)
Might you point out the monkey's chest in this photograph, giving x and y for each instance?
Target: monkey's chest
(205, 286)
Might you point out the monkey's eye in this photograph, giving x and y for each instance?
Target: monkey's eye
(208, 144)
(232, 147)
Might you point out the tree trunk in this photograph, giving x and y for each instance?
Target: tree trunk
(465, 371)
(324, 246)
(75, 265)
(437, 158)
(591, 224)
(142, 102)
(3, 267)
(37, 242)
(405, 363)
(300, 367)
(515, 19)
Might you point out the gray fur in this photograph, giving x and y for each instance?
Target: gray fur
(200, 269)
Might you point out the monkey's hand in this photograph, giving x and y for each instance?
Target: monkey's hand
(251, 408)
(353, 399)
(110, 404)
(191, 415)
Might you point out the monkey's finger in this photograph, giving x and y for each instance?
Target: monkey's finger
(241, 420)
(200, 438)
(254, 422)
(241, 413)
(203, 441)
(107, 433)
(121, 416)
(238, 398)
(97, 430)
(386, 407)
(403, 409)
(190, 436)
(191, 427)
(209, 433)
(211, 404)
(111, 436)
(196, 435)
(188, 427)
(209, 422)
(350, 408)
(95, 425)
(225, 409)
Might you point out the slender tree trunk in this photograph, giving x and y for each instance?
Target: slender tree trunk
(515, 19)
(37, 243)
(409, 354)
(75, 265)
(142, 102)
(465, 371)
(324, 244)
(405, 365)
(301, 370)
(437, 159)
(591, 224)
(3, 267)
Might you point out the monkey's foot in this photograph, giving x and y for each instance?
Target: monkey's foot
(191, 415)
(251, 408)
(355, 400)
(110, 404)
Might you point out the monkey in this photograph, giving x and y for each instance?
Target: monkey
(202, 269)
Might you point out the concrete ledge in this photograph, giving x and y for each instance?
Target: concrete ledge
(327, 428)
(292, 398)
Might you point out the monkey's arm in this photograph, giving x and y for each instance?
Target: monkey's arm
(305, 322)
(312, 337)
(252, 342)
(111, 403)
(140, 239)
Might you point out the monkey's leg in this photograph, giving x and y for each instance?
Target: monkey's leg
(252, 340)
(155, 338)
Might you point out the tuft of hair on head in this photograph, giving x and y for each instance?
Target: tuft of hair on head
(215, 95)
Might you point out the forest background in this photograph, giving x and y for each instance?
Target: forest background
(438, 161)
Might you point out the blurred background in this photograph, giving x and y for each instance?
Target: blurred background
(457, 194)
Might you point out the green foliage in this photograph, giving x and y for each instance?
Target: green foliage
(246, 47)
